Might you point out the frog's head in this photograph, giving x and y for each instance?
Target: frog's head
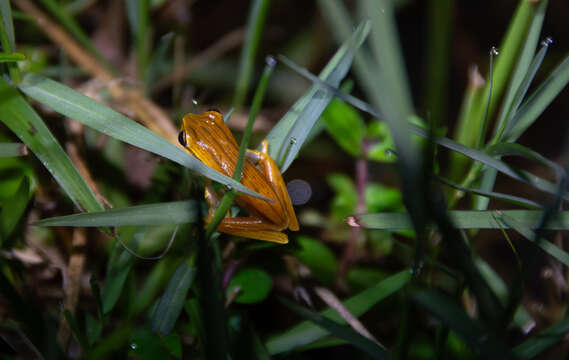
(207, 137)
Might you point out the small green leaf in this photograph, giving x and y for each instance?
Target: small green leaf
(345, 199)
(172, 302)
(254, 285)
(381, 198)
(345, 125)
(382, 147)
(319, 258)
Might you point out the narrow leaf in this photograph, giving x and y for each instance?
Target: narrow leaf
(22, 119)
(179, 212)
(373, 349)
(12, 150)
(463, 219)
(306, 332)
(77, 106)
(172, 301)
(290, 133)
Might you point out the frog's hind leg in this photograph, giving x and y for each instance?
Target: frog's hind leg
(253, 228)
(273, 174)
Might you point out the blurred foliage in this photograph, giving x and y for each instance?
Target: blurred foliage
(386, 262)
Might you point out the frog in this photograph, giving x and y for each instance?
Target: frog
(207, 137)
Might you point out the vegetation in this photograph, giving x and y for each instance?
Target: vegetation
(414, 244)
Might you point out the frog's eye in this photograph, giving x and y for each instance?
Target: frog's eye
(182, 138)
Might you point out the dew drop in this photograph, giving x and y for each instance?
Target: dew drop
(133, 346)
(229, 187)
(195, 102)
(293, 140)
(494, 51)
(547, 41)
(271, 61)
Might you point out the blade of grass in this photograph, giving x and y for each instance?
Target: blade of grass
(306, 332)
(77, 106)
(535, 345)
(13, 150)
(178, 212)
(172, 301)
(385, 45)
(288, 136)
(462, 219)
(522, 318)
(520, 73)
(472, 153)
(7, 38)
(21, 119)
(255, 26)
(512, 149)
(62, 14)
(479, 339)
(539, 100)
(138, 14)
(227, 199)
(14, 208)
(493, 195)
(11, 57)
(522, 228)
(373, 349)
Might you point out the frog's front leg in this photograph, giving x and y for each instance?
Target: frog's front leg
(273, 174)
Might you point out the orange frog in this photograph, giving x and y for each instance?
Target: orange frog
(206, 137)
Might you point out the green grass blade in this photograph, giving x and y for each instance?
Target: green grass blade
(61, 13)
(470, 330)
(138, 13)
(77, 106)
(306, 332)
(535, 345)
(373, 349)
(526, 82)
(463, 219)
(386, 48)
(118, 268)
(255, 26)
(288, 136)
(539, 100)
(178, 212)
(7, 38)
(14, 208)
(521, 317)
(21, 118)
(472, 153)
(172, 301)
(522, 227)
(11, 57)
(512, 149)
(13, 150)
(522, 67)
(516, 200)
